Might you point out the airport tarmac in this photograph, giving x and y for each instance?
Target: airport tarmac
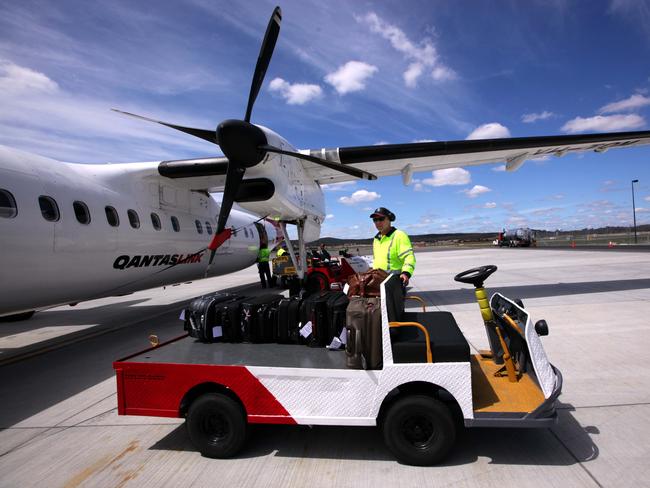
(60, 426)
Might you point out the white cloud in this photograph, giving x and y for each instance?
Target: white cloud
(476, 191)
(329, 216)
(632, 103)
(500, 167)
(418, 185)
(18, 80)
(360, 196)
(642, 210)
(296, 93)
(424, 140)
(493, 130)
(450, 176)
(534, 117)
(412, 74)
(490, 205)
(603, 123)
(421, 56)
(342, 186)
(442, 73)
(351, 76)
(647, 199)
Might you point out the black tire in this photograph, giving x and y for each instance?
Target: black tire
(216, 425)
(17, 317)
(419, 430)
(317, 282)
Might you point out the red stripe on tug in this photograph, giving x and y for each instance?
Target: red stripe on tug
(157, 389)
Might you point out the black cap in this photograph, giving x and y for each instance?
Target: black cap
(383, 212)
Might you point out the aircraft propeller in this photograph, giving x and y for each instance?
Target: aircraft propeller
(245, 144)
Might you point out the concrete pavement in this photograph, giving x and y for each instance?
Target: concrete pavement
(60, 426)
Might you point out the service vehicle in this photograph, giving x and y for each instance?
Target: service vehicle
(322, 274)
(428, 381)
(521, 237)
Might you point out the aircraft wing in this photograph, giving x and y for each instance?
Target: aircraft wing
(393, 159)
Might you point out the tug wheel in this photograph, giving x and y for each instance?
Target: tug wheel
(419, 430)
(216, 425)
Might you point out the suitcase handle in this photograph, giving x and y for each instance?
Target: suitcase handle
(357, 341)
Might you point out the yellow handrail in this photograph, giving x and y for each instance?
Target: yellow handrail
(413, 297)
(422, 328)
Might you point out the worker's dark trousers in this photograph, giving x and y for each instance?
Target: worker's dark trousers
(265, 274)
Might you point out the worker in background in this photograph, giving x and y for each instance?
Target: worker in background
(263, 267)
(283, 250)
(392, 249)
(324, 255)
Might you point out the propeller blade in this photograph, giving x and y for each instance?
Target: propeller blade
(207, 135)
(264, 58)
(359, 173)
(234, 177)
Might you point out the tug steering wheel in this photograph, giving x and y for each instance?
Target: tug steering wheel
(476, 276)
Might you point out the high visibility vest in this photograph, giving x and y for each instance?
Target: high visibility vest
(281, 252)
(263, 255)
(393, 252)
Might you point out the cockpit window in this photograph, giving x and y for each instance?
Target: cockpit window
(8, 208)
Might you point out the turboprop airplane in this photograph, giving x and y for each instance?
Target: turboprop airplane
(75, 232)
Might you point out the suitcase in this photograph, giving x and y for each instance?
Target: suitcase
(229, 315)
(288, 324)
(337, 306)
(363, 323)
(201, 316)
(314, 310)
(254, 318)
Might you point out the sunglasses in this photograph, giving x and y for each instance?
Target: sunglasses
(378, 219)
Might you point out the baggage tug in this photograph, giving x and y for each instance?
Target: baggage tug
(426, 379)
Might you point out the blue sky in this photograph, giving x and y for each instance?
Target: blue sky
(347, 74)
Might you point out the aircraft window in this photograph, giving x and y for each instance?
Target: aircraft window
(245, 231)
(199, 227)
(134, 220)
(8, 208)
(112, 217)
(176, 226)
(49, 208)
(208, 227)
(81, 212)
(155, 220)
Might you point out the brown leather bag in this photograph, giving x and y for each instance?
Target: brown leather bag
(366, 284)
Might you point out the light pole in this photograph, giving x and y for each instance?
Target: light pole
(634, 209)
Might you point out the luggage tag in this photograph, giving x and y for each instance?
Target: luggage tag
(344, 336)
(306, 330)
(217, 332)
(182, 317)
(346, 288)
(335, 344)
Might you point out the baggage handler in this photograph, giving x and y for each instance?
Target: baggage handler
(263, 267)
(392, 249)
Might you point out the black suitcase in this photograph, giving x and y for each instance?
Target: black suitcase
(314, 310)
(201, 317)
(229, 314)
(288, 324)
(337, 305)
(254, 316)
